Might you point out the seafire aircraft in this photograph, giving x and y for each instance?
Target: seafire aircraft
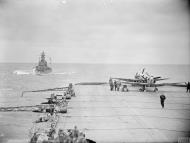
(144, 79)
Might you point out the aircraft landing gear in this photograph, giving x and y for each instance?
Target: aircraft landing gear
(155, 89)
(141, 90)
(124, 88)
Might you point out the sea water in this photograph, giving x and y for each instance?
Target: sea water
(18, 77)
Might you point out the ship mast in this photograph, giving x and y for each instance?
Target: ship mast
(43, 56)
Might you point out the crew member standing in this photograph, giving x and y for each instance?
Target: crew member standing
(188, 86)
(162, 99)
(111, 84)
(118, 85)
(115, 85)
(75, 133)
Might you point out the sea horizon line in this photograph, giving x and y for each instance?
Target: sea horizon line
(96, 63)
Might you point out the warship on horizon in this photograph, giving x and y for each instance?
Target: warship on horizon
(42, 67)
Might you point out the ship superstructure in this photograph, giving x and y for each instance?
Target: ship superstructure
(42, 67)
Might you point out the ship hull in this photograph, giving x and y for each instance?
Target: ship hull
(43, 71)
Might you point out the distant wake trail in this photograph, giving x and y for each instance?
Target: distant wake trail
(32, 72)
(23, 72)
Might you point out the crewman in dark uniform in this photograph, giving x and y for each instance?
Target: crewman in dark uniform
(111, 84)
(115, 85)
(52, 109)
(75, 134)
(34, 138)
(70, 85)
(162, 99)
(188, 87)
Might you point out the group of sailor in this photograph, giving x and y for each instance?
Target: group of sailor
(44, 133)
(116, 86)
(70, 136)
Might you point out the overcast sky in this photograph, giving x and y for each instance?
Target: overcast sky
(95, 31)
